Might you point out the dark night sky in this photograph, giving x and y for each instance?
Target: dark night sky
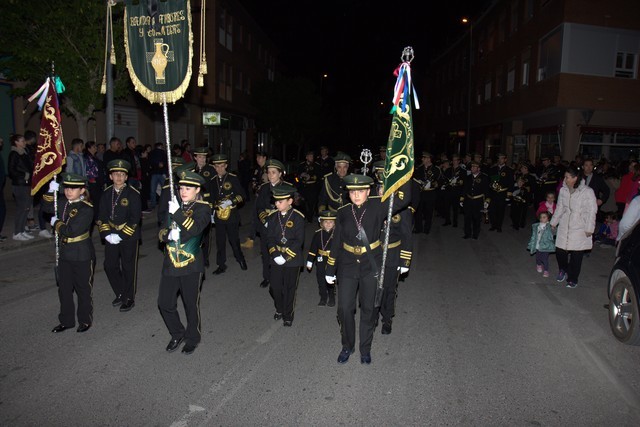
(359, 41)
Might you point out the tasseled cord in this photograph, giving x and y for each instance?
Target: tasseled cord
(202, 70)
(108, 29)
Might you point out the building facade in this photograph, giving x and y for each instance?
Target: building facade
(540, 77)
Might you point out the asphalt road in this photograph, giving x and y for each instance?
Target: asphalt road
(479, 339)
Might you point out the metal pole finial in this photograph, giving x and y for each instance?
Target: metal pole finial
(407, 54)
(365, 158)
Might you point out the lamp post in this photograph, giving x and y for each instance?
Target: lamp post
(468, 132)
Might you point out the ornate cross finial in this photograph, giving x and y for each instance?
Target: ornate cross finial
(365, 158)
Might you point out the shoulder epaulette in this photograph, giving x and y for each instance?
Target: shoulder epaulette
(86, 202)
(232, 174)
(344, 206)
(375, 197)
(318, 230)
(263, 184)
(286, 182)
(326, 175)
(134, 189)
(301, 214)
(203, 202)
(108, 187)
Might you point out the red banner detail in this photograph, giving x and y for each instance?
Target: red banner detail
(51, 154)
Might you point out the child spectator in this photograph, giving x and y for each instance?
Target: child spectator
(319, 252)
(607, 234)
(542, 243)
(548, 205)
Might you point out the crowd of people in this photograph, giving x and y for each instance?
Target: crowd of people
(566, 206)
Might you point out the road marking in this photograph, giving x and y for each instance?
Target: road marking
(264, 338)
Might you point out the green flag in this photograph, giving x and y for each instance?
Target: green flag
(159, 47)
(400, 150)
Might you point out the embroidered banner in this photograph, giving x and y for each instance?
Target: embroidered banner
(159, 47)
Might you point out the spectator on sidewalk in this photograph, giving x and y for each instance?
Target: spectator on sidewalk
(542, 243)
(628, 186)
(575, 220)
(3, 204)
(158, 172)
(31, 140)
(75, 158)
(96, 177)
(608, 231)
(20, 169)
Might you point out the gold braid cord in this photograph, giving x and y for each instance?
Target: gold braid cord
(202, 70)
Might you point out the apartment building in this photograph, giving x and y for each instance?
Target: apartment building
(540, 77)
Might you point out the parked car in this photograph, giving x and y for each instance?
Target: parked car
(624, 289)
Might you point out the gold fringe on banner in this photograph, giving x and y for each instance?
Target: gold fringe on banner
(103, 86)
(113, 50)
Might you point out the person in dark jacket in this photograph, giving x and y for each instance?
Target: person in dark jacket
(77, 256)
(183, 266)
(597, 184)
(20, 169)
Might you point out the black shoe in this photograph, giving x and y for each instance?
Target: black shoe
(446, 223)
(264, 283)
(499, 229)
(60, 328)
(386, 328)
(277, 316)
(492, 229)
(455, 225)
(116, 302)
(221, 269)
(174, 344)
(127, 305)
(84, 327)
(466, 236)
(243, 265)
(332, 300)
(343, 357)
(189, 348)
(287, 323)
(475, 237)
(365, 359)
(323, 301)
(426, 231)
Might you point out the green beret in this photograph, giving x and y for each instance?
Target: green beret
(342, 157)
(283, 191)
(330, 215)
(72, 180)
(191, 178)
(273, 163)
(177, 161)
(184, 167)
(118, 165)
(219, 158)
(201, 150)
(357, 182)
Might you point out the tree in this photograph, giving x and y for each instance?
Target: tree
(290, 109)
(71, 34)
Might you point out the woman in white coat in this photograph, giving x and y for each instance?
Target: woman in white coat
(575, 220)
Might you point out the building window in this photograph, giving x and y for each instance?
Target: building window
(249, 40)
(239, 81)
(502, 23)
(550, 55)
(528, 10)
(500, 82)
(222, 90)
(225, 29)
(487, 90)
(625, 65)
(526, 67)
(479, 95)
(229, 83)
(511, 75)
(241, 34)
(513, 22)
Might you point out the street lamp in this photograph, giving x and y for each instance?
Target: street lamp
(468, 133)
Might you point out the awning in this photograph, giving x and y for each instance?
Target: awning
(544, 130)
(601, 130)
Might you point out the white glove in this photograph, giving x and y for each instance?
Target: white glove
(330, 279)
(403, 270)
(280, 260)
(213, 219)
(309, 265)
(454, 180)
(266, 224)
(226, 204)
(427, 185)
(462, 204)
(115, 239)
(486, 205)
(53, 220)
(174, 234)
(110, 239)
(173, 205)
(53, 187)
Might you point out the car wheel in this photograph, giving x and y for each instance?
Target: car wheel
(623, 312)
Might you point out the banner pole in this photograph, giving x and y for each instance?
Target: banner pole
(385, 246)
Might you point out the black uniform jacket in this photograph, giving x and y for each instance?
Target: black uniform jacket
(192, 223)
(333, 194)
(400, 246)
(75, 219)
(454, 179)
(120, 213)
(348, 253)
(476, 189)
(264, 201)
(223, 188)
(501, 180)
(285, 236)
(320, 238)
(208, 173)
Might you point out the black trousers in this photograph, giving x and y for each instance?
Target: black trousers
(324, 288)
(472, 216)
(284, 283)
(570, 262)
(228, 230)
(206, 244)
(424, 214)
(519, 213)
(189, 287)
(75, 276)
(451, 207)
(121, 267)
(389, 293)
(364, 289)
(496, 209)
(264, 253)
